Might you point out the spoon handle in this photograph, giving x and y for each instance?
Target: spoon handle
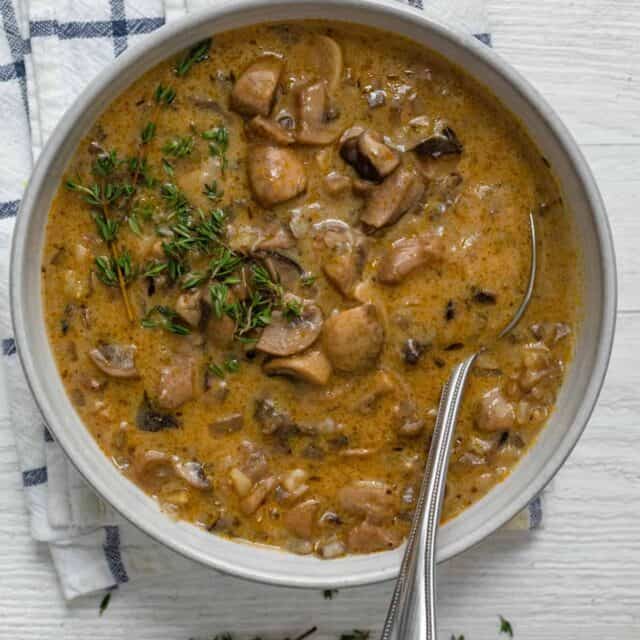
(412, 614)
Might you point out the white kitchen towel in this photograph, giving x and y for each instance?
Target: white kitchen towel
(49, 51)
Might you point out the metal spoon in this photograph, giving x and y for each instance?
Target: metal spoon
(412, 613)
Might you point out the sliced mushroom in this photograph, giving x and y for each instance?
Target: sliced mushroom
(193, 473)
(367, 538)
(148, 418)
(495, 412)
(189, 306)
(117, 361)
(254, 500)
(176, 384)
(254, 91)
(336, 184)
(312, 367)
(281, 239)
(354, 338)
(285, 337)
(228, 424)
(369, 498)
(313, 128)
(301, 519)
(406, 420)
(270, 130)
(152, 468)
(270, 417)
(255, 464)
(366, 151)
(399, 193)
(275, 174)
(442, 142)
(344, 270)
(318, 56)
(381, 385)
(407, 254)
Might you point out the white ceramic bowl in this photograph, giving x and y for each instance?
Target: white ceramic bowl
(584, 378)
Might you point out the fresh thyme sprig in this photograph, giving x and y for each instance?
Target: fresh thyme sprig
(197, 53)
(164, 95)
(218, 139)
(165, 318)
(232, 365)
(107, 269)
(179, 147)
(212, 191)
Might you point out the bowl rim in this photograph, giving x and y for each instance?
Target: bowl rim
(426, 20)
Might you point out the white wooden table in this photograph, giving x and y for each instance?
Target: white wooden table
(578, 578)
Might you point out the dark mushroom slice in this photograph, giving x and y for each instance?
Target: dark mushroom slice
(442, 142)
(399, 193)
(282, 268)
(412, 351)
(270, 130)
(353, 339)
(275, 174)
(115, 360)
(313, 125)
(407, 254)
(149, 418)
(351, 154)
(366, 151)
(254, 91)
(312, 367)
(270, 417)
(285, 337)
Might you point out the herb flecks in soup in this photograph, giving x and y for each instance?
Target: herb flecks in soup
(265, 259)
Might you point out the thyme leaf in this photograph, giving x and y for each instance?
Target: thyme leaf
(165, 318)
(197, 53)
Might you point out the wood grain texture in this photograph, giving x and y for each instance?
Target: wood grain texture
(579, 578)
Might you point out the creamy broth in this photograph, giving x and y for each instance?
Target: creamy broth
(266, 257)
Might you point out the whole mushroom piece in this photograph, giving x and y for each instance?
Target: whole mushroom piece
(275, 174)
(388, 202)
(254, 91)
(366, 151)
(353, 339)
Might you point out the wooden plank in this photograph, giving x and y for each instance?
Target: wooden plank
(583, 56)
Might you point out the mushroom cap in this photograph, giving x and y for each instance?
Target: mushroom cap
(254, 90)
(285, 337)
(353, 339)
(312, 110)
(275, 174)
(312, 366)
(318, 57)
(116, 360)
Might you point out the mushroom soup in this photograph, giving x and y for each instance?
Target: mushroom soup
(264, 261)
